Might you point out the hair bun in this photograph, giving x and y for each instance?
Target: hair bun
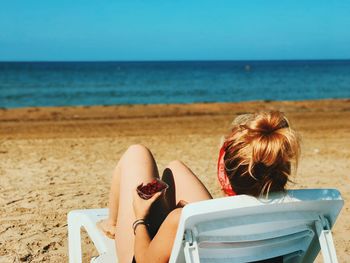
(271, 138)
(267, 123)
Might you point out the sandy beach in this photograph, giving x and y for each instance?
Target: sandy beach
(53, 160)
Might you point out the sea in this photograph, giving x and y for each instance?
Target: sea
(34, 84)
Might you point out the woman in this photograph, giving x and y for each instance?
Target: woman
(256, 158)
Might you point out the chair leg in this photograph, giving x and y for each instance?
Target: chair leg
(74, 238)
(326, 242)
(327, 247)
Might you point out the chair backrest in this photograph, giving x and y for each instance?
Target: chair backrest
(245, 229)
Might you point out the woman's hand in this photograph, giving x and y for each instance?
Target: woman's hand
(142, 206)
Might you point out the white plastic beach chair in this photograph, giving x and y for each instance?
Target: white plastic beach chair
(294, 225)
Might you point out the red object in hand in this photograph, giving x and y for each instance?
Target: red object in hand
(148, 190)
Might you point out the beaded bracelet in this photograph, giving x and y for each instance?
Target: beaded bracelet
(138, 222)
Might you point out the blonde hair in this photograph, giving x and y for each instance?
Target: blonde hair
(260, 151)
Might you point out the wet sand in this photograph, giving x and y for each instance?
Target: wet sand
(53, 160)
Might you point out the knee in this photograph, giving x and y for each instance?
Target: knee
(137, 148)
(174, 164)
(135, 151)
(133, 154)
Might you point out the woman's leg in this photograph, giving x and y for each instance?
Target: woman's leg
(136, 166)
(185, 185)
(108, 226)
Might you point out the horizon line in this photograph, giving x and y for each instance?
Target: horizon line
(175, 60)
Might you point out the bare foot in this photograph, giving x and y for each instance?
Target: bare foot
(107, 228)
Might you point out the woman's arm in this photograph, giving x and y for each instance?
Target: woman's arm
(141, 244)
(157, 250)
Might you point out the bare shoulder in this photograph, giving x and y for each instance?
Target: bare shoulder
(169, 226)
(174, 217)
(162, 243)
(171, 222)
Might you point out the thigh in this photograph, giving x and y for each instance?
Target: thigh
(185, 185)
(137, 165)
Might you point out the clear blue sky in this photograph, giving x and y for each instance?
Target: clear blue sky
(174, 30)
